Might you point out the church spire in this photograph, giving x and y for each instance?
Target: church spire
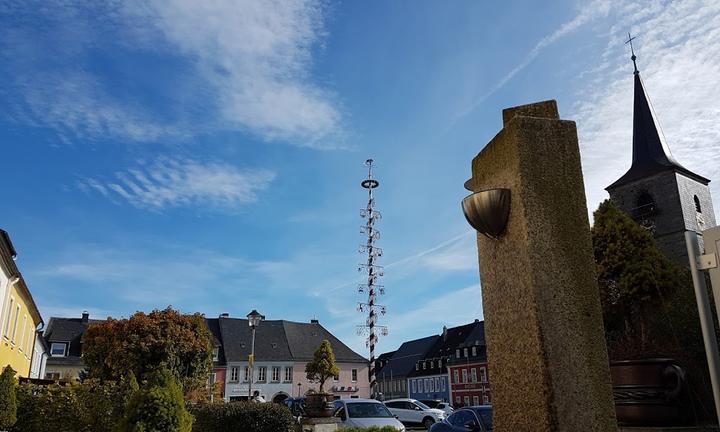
(651, 155)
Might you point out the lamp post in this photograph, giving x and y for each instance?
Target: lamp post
(299, 385)
(254, 319)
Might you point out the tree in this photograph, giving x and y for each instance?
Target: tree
(158, 406)
(143, 342)
(633, 274)
(323, 365)
(8, 403)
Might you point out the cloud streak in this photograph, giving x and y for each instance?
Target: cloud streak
(182, 182)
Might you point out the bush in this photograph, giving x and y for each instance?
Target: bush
(8, 405)
(157, 407)
(90, 406)
(241, 416)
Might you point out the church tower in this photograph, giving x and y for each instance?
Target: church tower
(658, 192)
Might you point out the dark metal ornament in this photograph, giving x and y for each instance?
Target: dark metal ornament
(488, 211)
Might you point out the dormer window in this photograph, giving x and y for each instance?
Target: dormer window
(216, 353)
(58, 349)
(698, 208)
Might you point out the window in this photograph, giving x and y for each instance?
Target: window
(473, 375)
(476, 400)
(57, 349)
(486, 400)
(426, 386)
(464, 375)
(456, 377)
(22, 334)
(698, 208)
(465, 352)
(442, 382)
(234, 374)
(216, 353)
(17, 315)
(247, 374)
(474, 351)
(262, 374)
(461, 418)
(288, 374)
(414, 386)
(52, 376)
(7, 317)
(353, 375)
(457, 353)
(457, 401)
(432, 364)
(466, 399)
(483, 375)
(276, 374)
(404, 384)
(437, 384)
(424, 365)
(417, 366)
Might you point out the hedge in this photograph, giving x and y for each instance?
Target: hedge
(241, 416)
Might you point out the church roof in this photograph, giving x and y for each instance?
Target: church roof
(651, 154)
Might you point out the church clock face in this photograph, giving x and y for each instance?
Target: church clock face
(648, 223)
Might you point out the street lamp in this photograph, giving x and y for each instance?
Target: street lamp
(254, 319)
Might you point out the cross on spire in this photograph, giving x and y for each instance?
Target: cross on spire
(632, 51)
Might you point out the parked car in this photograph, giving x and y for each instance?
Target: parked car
(414, 412)
(438, 404)
(364, 413)
(468, 419)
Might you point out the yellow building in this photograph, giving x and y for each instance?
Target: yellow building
(19, 316)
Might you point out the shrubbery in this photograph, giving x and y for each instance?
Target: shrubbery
(90, 406)
(8, 405)
(241, 416)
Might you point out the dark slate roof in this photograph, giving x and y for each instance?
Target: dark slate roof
(403, 361)
(651, 155)
(304, 339)
(67, 330)
(445, 346)
(214, 326)
(280, 340)
(270, 341)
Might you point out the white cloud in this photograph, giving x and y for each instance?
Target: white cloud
(241, 65)
(258, 55)
(678, 52)
(182, 182)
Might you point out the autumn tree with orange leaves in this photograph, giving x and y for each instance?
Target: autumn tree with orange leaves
(144, 342)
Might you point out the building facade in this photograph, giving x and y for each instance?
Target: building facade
(468, 370)
(19, 316)
(657, 192)
(282, 349)
(392, 377)
(39, 357)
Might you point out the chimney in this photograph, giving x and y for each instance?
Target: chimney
(444, 334)
(224, 315)
(314, 321)
(85, 316)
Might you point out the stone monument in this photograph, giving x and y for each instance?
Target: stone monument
(543, 319)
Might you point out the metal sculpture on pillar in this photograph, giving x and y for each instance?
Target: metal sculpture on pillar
(374, 273)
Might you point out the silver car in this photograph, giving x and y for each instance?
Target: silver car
(365, 413)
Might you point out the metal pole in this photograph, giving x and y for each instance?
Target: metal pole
(251, 364)
(706, 320)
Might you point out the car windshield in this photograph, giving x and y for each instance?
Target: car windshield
(486, 417)
(422, 405)
(367, 410)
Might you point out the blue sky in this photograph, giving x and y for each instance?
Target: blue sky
(207, 155)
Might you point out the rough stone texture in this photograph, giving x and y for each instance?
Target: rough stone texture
(673, 194)
(670, 429)
(543, 321)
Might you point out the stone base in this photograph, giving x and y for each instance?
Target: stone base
(327, 424)
(670, 429)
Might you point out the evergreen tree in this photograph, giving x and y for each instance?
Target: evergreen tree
(8, 403)
(633, 274)
(158, 406)
(323, 365)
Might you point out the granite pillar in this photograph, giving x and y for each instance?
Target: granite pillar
(543, 320)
